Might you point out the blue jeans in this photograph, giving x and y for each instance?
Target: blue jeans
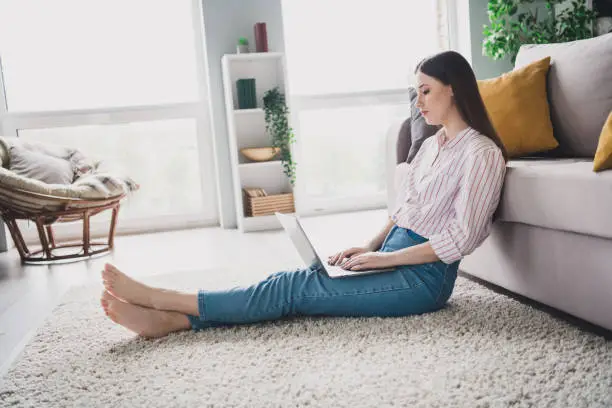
(410, 289)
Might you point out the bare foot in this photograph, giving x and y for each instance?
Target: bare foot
(149, 323)
(125, 288)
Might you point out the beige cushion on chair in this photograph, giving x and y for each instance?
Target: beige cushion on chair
(92, 181)
(4, 153)
(40, 166)
(14, 187)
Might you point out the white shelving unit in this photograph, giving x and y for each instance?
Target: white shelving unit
(247, 128)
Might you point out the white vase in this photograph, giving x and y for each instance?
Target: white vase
(242, 48)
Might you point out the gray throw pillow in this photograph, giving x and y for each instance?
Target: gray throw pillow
(404, 141)
(419, 129)
(40, 166)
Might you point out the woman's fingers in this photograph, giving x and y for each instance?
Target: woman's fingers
(353, 262)
(333, 260)
(348, 257)
(339, 258)
(344, 256)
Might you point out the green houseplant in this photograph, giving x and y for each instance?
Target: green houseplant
(514, 22)
(277, 126)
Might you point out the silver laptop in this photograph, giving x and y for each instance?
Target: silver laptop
(309, 253)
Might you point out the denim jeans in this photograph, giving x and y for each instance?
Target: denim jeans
(410, 289)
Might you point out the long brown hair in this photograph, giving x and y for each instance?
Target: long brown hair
(451, 68)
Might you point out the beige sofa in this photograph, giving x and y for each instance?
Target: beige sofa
(553, 240)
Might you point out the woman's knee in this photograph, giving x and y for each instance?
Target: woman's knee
(275, 275)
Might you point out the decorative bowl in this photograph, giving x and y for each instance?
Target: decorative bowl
(260, 154)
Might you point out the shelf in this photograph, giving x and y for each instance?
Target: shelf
(247, 128)
(253, 56)
(241, 112)
(259, 165)
(268, 175)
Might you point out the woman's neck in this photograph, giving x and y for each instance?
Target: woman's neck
(453, 125)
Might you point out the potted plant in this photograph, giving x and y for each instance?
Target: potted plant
(277, 126)
(513, 25)
(243, 45)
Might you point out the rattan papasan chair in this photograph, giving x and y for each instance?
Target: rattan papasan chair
(90, 192)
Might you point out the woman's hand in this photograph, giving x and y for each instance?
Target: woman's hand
(347, 253)
(370, 260)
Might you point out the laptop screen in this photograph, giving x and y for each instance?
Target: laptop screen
(297, 235)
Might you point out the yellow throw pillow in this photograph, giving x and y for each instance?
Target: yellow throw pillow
(603, 155)
(517, 105)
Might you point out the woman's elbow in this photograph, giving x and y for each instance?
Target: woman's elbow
(471, 245)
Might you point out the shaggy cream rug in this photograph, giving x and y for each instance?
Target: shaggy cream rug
(483, 350)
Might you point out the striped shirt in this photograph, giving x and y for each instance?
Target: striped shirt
(449, 192)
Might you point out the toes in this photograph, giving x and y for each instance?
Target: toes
(111, 302)
(106, 277)
(112, 308)
(104, 306)
(109, 272)
(111, 269)
(106, 296)
(111, 298)
(112, 316)
(104, 300)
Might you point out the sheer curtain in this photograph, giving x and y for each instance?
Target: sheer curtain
(348, 66)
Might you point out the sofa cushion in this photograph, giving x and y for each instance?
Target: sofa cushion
(518, 107)
(579, 87)
(562, 194)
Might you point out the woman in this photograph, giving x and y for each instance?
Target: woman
(448, 193)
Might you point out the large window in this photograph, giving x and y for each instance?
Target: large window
(84, 54)
(349, 66)
(123, 82)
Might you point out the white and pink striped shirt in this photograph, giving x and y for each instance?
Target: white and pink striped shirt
(449, 192)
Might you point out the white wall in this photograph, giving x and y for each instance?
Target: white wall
(224, 22)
